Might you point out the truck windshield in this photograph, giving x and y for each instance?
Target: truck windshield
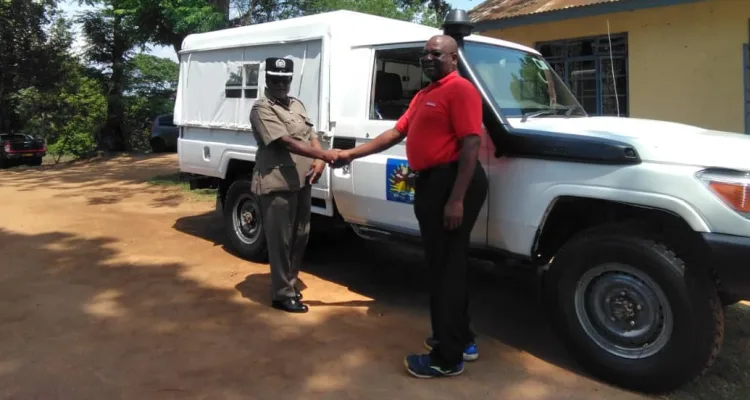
(520, 84)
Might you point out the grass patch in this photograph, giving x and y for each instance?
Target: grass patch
(729, 377)
(181, 182)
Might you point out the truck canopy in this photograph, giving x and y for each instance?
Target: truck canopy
(222, 73)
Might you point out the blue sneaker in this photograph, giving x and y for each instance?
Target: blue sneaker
(471, 352)
(420, 365)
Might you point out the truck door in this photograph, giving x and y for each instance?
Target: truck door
(382, 185)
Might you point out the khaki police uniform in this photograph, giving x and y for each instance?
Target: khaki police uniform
(279, 180)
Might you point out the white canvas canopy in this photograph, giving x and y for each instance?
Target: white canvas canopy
(222, 72)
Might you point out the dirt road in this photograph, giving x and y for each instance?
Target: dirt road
(114, 288)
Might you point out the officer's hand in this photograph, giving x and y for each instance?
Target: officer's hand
(345, 157)
(330, 156)
(317, 168)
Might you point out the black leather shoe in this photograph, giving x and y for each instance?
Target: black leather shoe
(298, 294)
(289, 305)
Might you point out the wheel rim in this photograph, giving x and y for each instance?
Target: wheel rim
(623, 311)
(246, 219)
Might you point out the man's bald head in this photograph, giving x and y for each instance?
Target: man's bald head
(440, 57)
(447, 43)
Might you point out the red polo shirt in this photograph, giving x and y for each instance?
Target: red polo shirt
(438, 117)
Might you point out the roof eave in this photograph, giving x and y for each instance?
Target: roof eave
(575, 12)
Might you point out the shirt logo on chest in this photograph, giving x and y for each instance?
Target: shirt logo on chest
(430, 104)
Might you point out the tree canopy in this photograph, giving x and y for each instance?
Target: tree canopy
(107, 98)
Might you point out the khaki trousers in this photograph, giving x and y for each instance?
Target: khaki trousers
(286, 220)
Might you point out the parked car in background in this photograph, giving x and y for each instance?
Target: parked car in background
(20, 148)
(163, 134)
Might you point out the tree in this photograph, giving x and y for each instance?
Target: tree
(112, 36)
(168, 22)
(259, 11)
(151, 76)
(151, 87)
(384, 8)
(439, 7)
(26, 57)
(68, 109)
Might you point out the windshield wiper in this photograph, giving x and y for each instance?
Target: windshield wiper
(539, 113)
(571, 109)
(552, 111)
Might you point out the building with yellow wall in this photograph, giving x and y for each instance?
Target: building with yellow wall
(676, 60)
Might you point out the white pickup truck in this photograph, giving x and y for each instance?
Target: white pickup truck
(639, 228)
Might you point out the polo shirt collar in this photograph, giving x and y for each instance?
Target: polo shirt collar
(452, 75)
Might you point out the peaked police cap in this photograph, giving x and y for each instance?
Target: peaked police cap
(279, 66)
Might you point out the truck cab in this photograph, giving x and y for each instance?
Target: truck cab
(639, 229)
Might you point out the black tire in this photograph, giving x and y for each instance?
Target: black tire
(692, 307)
(158, 145)
(249, 243)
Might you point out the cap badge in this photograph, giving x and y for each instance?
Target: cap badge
(280, 63)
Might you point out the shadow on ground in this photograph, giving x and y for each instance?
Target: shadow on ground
(78, 322)
(504, 307)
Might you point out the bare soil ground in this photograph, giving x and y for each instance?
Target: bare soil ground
(114, 288)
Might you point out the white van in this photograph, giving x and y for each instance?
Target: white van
(639, 228)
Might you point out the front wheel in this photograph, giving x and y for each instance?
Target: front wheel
(243, 223)
(632, 313)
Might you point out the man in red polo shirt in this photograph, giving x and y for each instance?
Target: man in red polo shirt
(443, 124)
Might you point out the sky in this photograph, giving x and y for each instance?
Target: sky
(71, 7)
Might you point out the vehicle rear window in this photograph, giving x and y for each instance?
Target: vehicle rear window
(14, 136)
(167, 120)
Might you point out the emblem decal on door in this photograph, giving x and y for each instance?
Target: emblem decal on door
(399, 185)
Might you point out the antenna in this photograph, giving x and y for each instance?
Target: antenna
(612, 68)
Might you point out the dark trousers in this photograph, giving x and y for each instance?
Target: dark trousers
(286, 220)
(446, 253)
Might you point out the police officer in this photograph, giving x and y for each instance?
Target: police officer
(288, 161)
(444, 124)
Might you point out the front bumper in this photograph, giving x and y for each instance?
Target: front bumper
(730, 257)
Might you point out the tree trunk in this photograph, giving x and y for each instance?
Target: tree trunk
(115, 137)
(221, 6)
(3, 112)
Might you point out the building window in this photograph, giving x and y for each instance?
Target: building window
(597, 77)
(243, 82)
(398, 78)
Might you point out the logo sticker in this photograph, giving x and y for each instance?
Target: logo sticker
(399, 185)
(280, 63)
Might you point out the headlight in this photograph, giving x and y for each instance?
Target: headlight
(732, 187)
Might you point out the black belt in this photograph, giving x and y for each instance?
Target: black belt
(442, 167)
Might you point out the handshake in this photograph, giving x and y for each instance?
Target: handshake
(337, 158)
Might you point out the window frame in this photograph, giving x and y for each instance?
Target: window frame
(244, 87)
(598, 58)
(374, 60)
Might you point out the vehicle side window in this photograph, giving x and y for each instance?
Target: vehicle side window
(398, 77)
(243, 82)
